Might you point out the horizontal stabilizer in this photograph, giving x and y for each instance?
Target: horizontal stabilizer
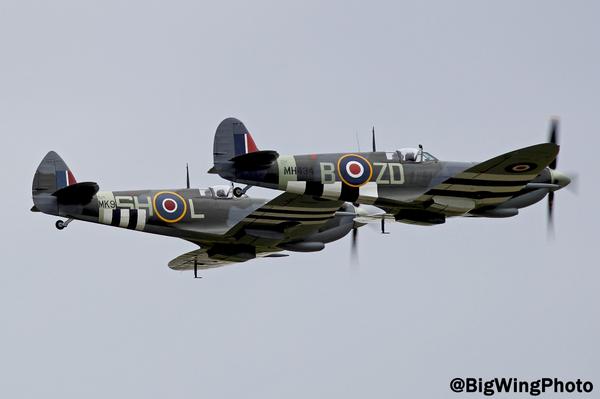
(255, 160)
(76, 194)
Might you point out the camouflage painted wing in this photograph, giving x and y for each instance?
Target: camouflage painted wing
(286, 218)
(203, 260)
(199, 257)
(294, 215)
(490, 183)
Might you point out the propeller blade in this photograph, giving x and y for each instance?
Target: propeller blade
(354, 249)
(553, 139)
(551, 214)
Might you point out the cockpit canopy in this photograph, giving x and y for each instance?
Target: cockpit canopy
(416, 155)
(218, 192)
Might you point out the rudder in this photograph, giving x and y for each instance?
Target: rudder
(232, 139)
(52, 175)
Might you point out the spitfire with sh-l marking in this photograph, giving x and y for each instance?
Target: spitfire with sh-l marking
(228, 229)
(409, 185)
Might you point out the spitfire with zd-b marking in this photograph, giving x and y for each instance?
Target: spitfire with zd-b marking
(409, 185)
(228, 229)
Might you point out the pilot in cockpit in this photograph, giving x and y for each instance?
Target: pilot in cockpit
(222, 192)
(411, 154)
(408, 154)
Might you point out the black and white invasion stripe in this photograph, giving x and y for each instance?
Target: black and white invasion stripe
(134, 219)
(366, 194)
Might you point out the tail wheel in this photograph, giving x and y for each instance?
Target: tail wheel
(60, 224)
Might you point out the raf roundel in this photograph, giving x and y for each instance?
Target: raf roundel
(354, 170)
(170, 207)
(520, 167)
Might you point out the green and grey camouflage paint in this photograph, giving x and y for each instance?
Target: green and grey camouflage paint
(227, 229)
(410, 184)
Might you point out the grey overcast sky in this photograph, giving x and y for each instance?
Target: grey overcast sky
(129, 91)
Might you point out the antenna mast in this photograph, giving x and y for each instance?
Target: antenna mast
(187, 175)
(374, 146)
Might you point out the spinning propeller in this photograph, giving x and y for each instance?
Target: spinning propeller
(363, 215)
(354, 248)
(556, 177)
(354, 244)
(554, 140)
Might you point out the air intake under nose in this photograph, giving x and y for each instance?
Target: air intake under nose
(303, 246)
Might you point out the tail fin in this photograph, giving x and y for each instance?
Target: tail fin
(52, 175)
(232, 139)
(235, 152)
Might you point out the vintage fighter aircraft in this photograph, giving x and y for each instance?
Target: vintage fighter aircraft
(228, 229)
(409, 185)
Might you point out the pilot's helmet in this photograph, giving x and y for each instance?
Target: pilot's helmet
(408, 154)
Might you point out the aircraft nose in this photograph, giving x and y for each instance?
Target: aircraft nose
(560, 178)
